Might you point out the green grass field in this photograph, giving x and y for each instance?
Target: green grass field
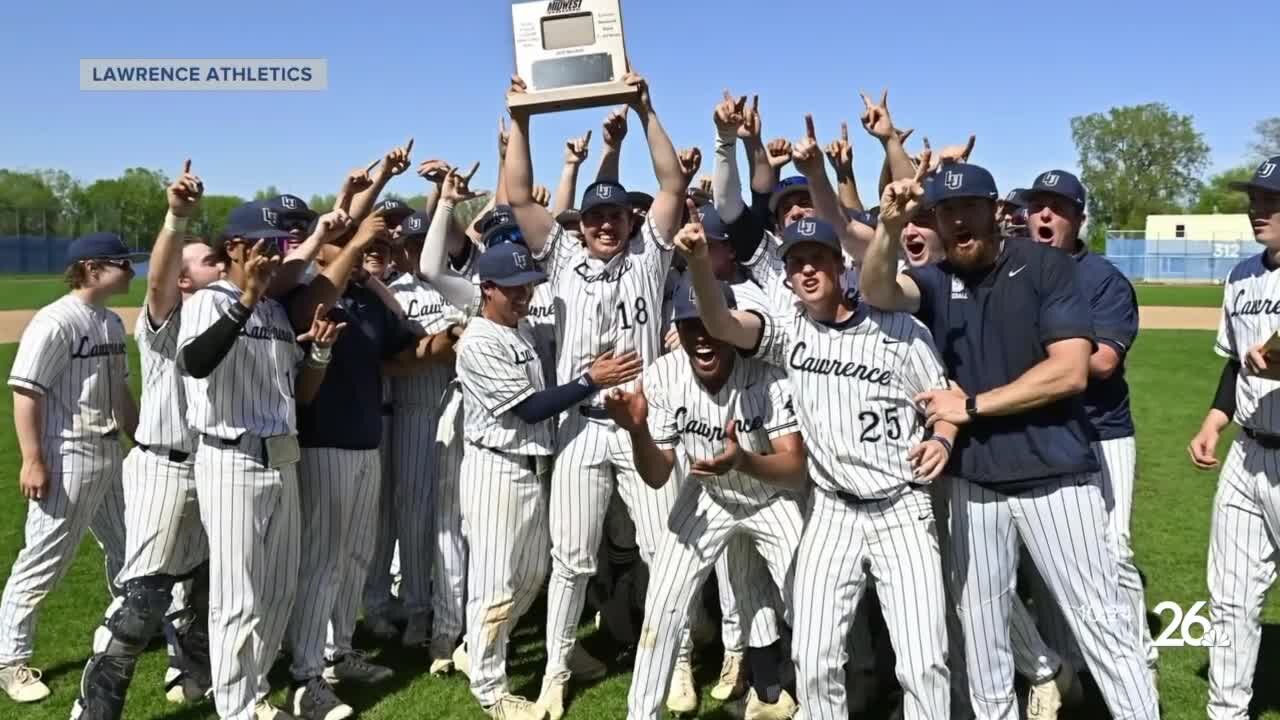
(1172, 375)
(1180, 295)
(30, 292)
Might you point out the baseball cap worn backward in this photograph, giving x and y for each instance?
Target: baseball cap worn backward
(808, 230)
(1058, 182)
(290, 206)
(499, 215)
(788, 186)
(508, 265)
(712, 224)
(684, 301)
(1265, 178)
(963, 180)
(253, 221)
(416, 225)
(605, 192)
(98, 246)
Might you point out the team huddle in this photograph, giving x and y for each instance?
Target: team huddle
(906, 426)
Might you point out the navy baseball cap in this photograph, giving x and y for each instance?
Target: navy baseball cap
(789, 186)
(253, 221)
(1016, 197)
(98, 246)
(808, 230)
(640, 200)
(393, 210)
(499, 215)
(415, 225)
(1265, 178)
(508, 265)
(712, 223)
(963, 180)
(509, 233)
(1058, 182)
(684, 301)
(290, 207)
(603, 193)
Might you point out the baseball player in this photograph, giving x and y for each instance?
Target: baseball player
(240, 361)
(1026, 461)
(71, 400)
(1055, 213)
(734, 421)
(855, 373)
(612, 291)
(509, 439)
(1012, 213)
(1246, 509)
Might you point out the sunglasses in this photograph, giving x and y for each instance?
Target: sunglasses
(122, 264)
(291, 224)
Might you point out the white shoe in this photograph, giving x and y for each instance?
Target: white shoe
(461, 662)
(381, 627)
(22, 683)
(416, 631)
(441, 653)
(583, 666)
(758, 709)
(264, 710)
(514, 707)
(733, 682)
(1045, 698)
(682, 698)
(551, 700)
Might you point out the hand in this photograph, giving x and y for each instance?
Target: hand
(904, 134)
(457, 188)
(1258, 360)
(33, 479)
(751, 127)
(356, 181)
(259, 270)
(396, 161)
(1203, 448)
(840, 153)
(333, 224)
(324, 332)
(630, 410)
(944, 405)
(876, 119)
(806, 154)
(778, 153)
(434, 171)
(953, 153)
(728, 114)
(615, 127)
(643, 103)
(576, 150)
(518, 87)
(727, 460)
(705, 184)
(690, 162)
(184, 193)
(541, 195)
(371, 228)
(608, 371)
(928, 459)
(691, 240)
(901, 197)
(672, 340)
(504, 137)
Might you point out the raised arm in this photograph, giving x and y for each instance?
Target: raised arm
(668, 203)
(434, 172)
(877, 121)
(879, 280)
(575, 153)
(535, 221)
(630, 410)
(329, 227)
(457, 290)
(742, 330)
(840, 155)
(393, 163)
(322, 335)
(807, 157)
(615, 131)
(183, 196)
(328, 286)
(726, 186)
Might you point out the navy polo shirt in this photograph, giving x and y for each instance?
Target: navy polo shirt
(990, 329)
(1115, 323)
(347, 410)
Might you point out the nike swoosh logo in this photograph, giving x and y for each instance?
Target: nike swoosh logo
(888, 341)
(1015, 272)
(748, 386)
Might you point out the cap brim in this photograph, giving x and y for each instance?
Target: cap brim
(532, 277)
(778, 197)
(264, 234)
(1250, 185)
(1026, 197)
(786, 246)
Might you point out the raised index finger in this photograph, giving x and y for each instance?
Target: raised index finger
(408, 148)
(472, 172)
(693, 210)
(844, 131)
(925, 157)
(587, 140)
(968, 147)
(186, 167)
(808, 126)
(865, 100)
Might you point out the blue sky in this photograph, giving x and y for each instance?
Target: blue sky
(1014, 73)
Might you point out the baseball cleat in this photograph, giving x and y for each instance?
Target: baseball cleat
(181, 687)
(417, 631)
(264, 710)
(461, 662)
(733, 682)
(441, 653)
(551, 700)
(352, 667)
(22, 683)
(315, 700)
(758, 709)
(583, 666)
(682, 698)
(381, 627)
(514, 707)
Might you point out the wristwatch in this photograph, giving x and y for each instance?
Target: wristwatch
(971, 406)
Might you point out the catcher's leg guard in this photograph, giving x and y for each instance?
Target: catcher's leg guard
(137, 616)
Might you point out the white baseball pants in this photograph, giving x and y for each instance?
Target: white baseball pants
(449, 571)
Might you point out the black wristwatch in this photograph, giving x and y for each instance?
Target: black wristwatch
(971, 406)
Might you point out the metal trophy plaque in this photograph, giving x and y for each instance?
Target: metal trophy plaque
(570, 54)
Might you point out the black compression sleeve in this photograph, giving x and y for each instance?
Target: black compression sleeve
(553, 401)
(201, 356)
(1225, 398)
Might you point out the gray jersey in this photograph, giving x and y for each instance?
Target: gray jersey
(682, 413)
(73, 354)
(609, 305)
(162, 419)
(251, 390)
(498, 368)
(854, 387)
(1250, 316)
(429, 313)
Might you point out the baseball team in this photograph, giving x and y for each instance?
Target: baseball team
(904, 427)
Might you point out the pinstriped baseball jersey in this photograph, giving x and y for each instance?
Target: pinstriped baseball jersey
(854, 386)
(162, 419)
(499, 368)
(251, 390)
(609, 305)
(1250, 315)
(72, 353)
(681, 412)
(545, 315)
(750, 295)
(427, 310)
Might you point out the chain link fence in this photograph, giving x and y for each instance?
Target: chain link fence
(1201, 259)
(35, 241)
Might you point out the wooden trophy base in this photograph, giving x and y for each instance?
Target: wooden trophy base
(573, 98)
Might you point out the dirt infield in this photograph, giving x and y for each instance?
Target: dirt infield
(1152, 318)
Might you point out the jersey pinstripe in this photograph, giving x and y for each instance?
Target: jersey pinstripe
(613, 304)
(162, 419)
(73, 354)
(498, 368)
(1250, 315)
(426, 309)
(854, 388)
(251, 390)
(682, 413)
(546, 313)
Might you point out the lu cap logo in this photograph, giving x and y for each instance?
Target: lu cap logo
(954, 180)
(604, 192)
(1049, 179)
(1266, 170)
(415, 223)
(521, 261)
(288, 202)
(807, 228)
(269, 216)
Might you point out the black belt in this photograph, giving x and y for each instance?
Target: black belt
(595, 412)
(175, 456)
(851, 499)
(1266, 440)
(529, 461)
(245, 443)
